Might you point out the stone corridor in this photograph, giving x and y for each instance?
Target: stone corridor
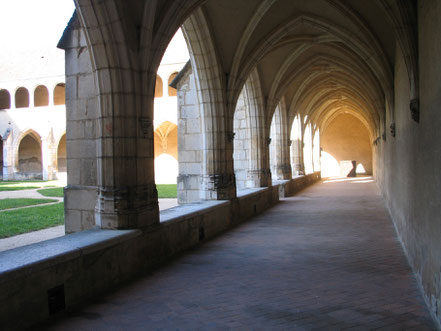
(326, 259)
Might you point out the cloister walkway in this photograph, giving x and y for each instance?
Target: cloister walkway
(326, 259)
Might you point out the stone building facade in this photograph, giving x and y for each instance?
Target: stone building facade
(32, 128)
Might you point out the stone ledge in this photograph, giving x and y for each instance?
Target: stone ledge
(35, 257)
(189, 210)
(250, 191)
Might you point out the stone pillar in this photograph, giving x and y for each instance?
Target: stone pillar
(260, 176)
(49, 157)
(283, 169)
(31, 98)
(280, 143)
(12, 95)
(206, 170)
(8, 153)
(250, 148)
(218, 179)
(190, 139)
(45, 160)
(297, 157)
(80, 194)
(109, 133)
(51, 96)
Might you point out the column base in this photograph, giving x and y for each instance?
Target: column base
(283, 172)
(259, 178)
(127, 208)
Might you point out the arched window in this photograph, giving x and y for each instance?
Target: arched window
(29, 157)
(41, 96)
(5, 99)
(22, 98)
(158, 87)
(171, 90)
(60, 94)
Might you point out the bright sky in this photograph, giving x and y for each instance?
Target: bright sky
(29, 34)
(27, 23)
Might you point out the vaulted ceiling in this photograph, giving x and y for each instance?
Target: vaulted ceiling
(323, 57)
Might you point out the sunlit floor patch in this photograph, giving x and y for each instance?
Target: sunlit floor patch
(349, 179)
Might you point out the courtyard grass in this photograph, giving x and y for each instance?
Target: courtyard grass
(20, 221)
(52, 192)
(12, 185)
(22, 202)
(167, 190)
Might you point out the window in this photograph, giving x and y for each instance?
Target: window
(41, 96)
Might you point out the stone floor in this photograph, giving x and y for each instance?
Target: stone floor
(326, 259)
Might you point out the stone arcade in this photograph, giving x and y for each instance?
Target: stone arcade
(271, 85)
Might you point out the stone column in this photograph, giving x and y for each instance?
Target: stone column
(8, 153)
(282, 167)
(51, 96)
(259, 174)
(297, 157)
(31, 98)
(109, 131)
(205, 147)
(250, 148)
(49, 157)
(190, 139)
(45, 160)
(218, 179)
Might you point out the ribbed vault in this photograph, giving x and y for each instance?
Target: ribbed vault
(321, 55)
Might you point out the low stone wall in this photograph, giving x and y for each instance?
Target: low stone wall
(41, 279)
(295, 185)
(26, 176)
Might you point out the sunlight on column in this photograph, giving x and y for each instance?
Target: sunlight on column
(307, 150)
(166, 169)
(316, 151)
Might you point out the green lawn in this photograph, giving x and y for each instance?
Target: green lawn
(167, 190)
(21, 202)
(11, 185)
(52, 192)
(19, 221)
(164, 191)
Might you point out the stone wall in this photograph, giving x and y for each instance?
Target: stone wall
(346, 138)
(408, 164)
